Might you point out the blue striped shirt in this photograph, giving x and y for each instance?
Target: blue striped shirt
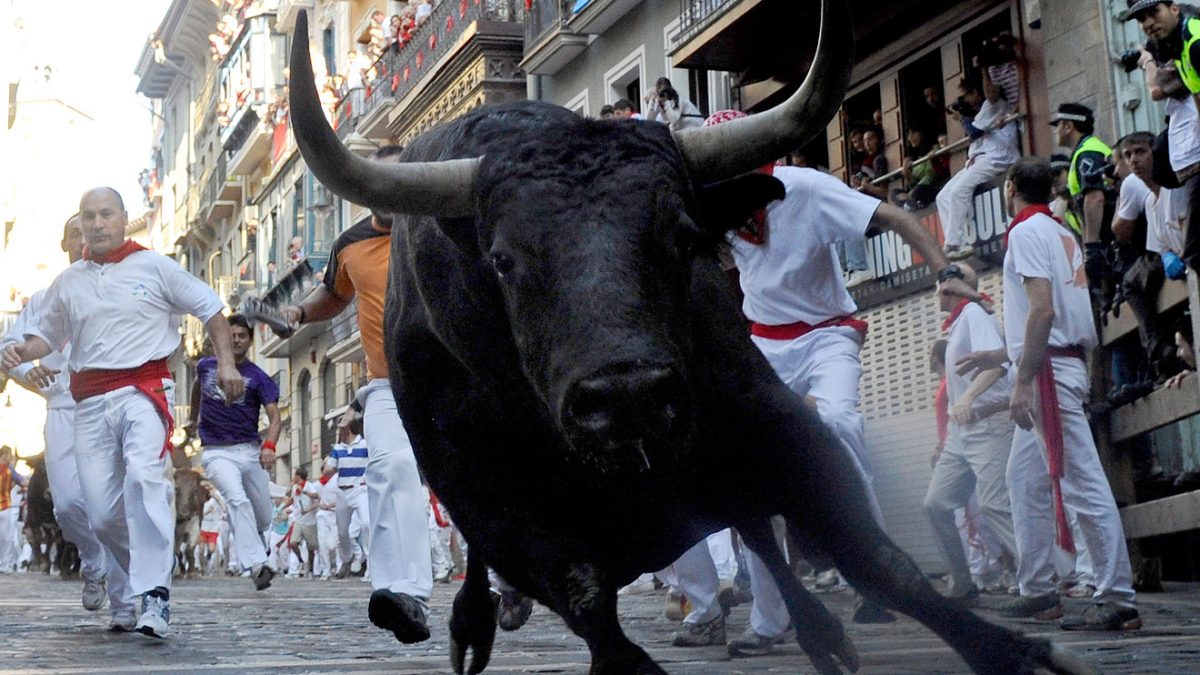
(350, 462)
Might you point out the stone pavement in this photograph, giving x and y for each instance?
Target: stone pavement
(308, 626)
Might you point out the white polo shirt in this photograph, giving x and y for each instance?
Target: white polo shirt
(795, 275)
(1166, 220)
(1041, 248)
(974, 331)
(1132, 199)
(120, 315)
(58, 394)
(1183, 132)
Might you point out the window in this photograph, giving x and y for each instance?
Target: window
(329, 391)
(624, 80)
(303, 451)
(579, 104)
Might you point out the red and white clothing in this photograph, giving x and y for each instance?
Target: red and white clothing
(120, 316)
(794, 276)
(62, 467)
(990, 155)
(1041, 248)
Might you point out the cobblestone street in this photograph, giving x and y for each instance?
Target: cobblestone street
(306, 626)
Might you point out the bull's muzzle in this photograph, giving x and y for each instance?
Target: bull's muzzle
(631, 408)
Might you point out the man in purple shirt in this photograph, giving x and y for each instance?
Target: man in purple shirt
(235, 457)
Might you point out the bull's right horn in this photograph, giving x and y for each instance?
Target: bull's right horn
(739, 146)
(432, 188)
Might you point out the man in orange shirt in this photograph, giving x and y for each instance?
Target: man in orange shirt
(398, 545)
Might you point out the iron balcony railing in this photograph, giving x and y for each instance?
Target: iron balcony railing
(543, 18)
(696, 15)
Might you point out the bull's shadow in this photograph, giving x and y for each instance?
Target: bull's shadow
(574, 374)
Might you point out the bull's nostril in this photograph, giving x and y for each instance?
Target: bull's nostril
(590, 410)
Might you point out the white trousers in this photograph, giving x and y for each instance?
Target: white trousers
(973, 463)
(245, 486)
(826, 366)
(8, 540)
(119, 439)
(353, 502)
(70, 509)
(400, 558)
(327, 540)
(696, 576)
(955, 201)
(1085, 491)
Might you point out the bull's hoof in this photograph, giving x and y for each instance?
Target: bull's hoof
(1065, 662)
(472, 628)
(636, 662)
(1028, 656)
(513, 610)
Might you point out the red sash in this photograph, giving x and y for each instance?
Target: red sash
(1052, 434)
(146, 378)
(791, 331)
(436, 505)
(941, 411)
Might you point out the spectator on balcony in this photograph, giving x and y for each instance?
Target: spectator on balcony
(606, 112)
(395, 30)
(624, 110)
(357, 65)
(922, 179)
(424, 10)
(857, 151)
(874, 164)
(995, 146)
(295, 250)
(665, 105)
(933, 115)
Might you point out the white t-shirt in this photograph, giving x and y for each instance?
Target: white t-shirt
(1001, 145)
(210, 521)
(120, 315)
(1166, 220)
(1183, 132)
(58, 394)
(1042, 248)
(329, 495)
(1132, 200)
(974, 331)
(795, 275)
(306, 498)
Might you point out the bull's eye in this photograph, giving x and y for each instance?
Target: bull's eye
(503, 264)
(686, 243)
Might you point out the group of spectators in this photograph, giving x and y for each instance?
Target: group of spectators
(661, 104)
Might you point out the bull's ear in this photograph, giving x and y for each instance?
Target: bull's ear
(724, 206)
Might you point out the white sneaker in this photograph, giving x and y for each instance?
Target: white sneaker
(94, 594)
(959, 252)
(122, 621)
(857, 277)
(156, 617)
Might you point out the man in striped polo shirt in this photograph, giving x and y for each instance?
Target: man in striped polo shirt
(349, 458)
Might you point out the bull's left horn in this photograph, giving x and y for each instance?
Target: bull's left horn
(742, 145)
(431, 188)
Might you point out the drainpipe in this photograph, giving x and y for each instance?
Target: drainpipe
(533, 87)
(212, 277)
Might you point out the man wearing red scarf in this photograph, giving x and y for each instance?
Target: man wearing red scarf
(115, 308)
(1053, 464)
(975, 455)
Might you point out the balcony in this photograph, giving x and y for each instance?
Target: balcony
(347, 344)
(222, 194)
(548, 45)
(255, 144)
(594, 17)
(294, 285)
(250, 82)
(285, 18)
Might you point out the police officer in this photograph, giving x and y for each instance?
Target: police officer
(1170, 60)
(1090, 196)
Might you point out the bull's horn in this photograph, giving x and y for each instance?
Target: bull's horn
(432, 188)
(742, 145)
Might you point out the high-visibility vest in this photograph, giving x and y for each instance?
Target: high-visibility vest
(1187, 70)
(1073, 218)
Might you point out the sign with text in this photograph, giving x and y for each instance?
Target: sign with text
(898, 270)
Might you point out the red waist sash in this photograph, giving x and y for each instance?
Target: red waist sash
(791, 331)
(1052, 436)
(146, 378)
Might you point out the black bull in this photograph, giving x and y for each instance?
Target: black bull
(580, 389)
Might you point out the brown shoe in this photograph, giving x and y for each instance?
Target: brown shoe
(1041, 607)
(1104, 617)
(707, 634)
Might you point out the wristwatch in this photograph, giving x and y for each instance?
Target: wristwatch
(951, 271)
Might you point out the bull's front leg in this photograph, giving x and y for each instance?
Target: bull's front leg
(586, 598)
(819, 633)
(472, 619)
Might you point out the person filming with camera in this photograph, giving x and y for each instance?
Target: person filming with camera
(664, 105)
(1169, 61)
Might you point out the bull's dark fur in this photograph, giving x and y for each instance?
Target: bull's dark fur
(50, 549)
(597, 220)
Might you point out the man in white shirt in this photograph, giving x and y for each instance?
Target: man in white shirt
(803, 322)
(975, 456)
(305, 500)
(327, 527)
(1165, 209)
(101, 575)
(1053, 464)
(995, 145)
(116, 308)
(349, 458)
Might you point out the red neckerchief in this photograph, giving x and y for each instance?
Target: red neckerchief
(325, 479)
(941, 409)
(962, 304)
(755, 229)
(116, 255)
(1025, 214)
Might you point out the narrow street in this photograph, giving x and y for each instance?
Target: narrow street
(306, 626)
